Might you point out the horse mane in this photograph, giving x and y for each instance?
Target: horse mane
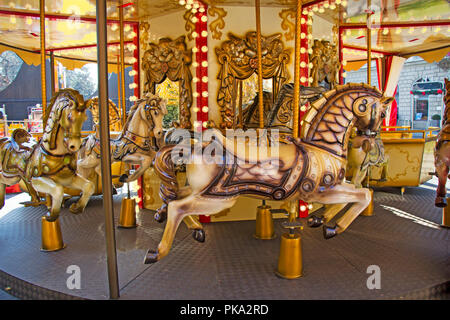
(328, 97)
(80, 105)
(334, 111)
(149, 97)
(72, 93)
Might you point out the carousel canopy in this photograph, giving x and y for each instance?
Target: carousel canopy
(398, 27)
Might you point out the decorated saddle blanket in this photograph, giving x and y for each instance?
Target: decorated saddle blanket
(14, 157)
(273, 178)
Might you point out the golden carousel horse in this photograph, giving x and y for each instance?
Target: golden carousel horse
(363, 154)
(138, 142)
(442, 152)
(311, 168)
(115, 122)
(52, 163)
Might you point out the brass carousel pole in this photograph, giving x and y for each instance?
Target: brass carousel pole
(102, 59)
(43, 70)
(369, 45)
(122, 63)
(260, 68)
(290, 261)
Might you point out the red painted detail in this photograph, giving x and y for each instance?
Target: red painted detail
(13, 189)
(127, 4)
(200, 72)
(415, 39)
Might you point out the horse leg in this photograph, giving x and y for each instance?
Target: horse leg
(144, 163)
(441, 192)
(87, 188)
(358, 177)
(347, 193)
(177, 210)
(34, 196)
(197, 228)
(330, 212)
(55, 190)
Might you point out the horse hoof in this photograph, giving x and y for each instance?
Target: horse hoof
(151, 257)
(75, 209)
(440, 202)
(123, 178)
(329, 232)
(51, 218)
(315, 222)
(161, 215)
(199, 235)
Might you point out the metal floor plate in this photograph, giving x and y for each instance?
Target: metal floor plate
(414, 258)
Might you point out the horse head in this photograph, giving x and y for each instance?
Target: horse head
(67, 112)
(370, 112)
(152, 110)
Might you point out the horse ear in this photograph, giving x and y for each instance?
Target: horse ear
(387, 100)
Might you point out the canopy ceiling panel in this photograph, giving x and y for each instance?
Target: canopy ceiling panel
(71, 23)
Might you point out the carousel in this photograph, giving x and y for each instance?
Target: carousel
(241, 164)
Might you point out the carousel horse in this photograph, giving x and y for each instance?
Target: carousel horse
(363, 154)
(138, 142)
(311, 167)
(51, 164)
(115, 122)
(442, 152)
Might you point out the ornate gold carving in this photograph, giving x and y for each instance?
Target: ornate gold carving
(326, 64)
(144, 28)
(190, 25)
(238, 59)
(286, 24)
(170, 59)
(217, 24)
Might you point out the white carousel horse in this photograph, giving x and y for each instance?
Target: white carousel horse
(52, 163)
(311, 168)
(138, 142)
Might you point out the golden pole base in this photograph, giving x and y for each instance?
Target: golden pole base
(290, 261)
(368, 212)
(264, 224)
(127, 217)
(51, 236)
(446, 216)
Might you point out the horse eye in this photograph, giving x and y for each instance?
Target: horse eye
(156, 113)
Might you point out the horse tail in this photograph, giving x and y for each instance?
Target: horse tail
(165, 169)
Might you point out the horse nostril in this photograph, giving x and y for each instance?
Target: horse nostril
(72, 147)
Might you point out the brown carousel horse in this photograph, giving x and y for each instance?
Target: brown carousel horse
(442, 152)
(311, 168)
(138, 142)
(52, 163)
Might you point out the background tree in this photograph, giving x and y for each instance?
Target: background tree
(10, 65)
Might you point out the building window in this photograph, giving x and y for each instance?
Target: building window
(420, 108)
(421, 91)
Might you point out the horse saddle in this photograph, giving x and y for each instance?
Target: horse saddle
(264, 176)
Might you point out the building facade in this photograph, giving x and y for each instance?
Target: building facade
(418, 103)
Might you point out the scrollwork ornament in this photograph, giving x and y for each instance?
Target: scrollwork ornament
(219, 23)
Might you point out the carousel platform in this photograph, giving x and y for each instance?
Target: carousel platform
(403, 238)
